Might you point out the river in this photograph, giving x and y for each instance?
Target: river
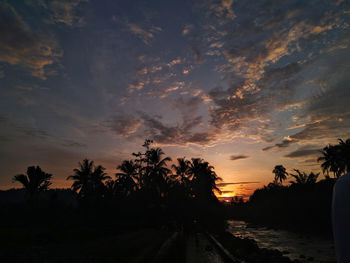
(292, 245)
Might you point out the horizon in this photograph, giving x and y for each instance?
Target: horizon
(245, 86)
(237, 189)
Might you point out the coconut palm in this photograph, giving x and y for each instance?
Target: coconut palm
(157, 165)
(302, 178)
(88, 179)
(336, 158)
(280, 173)
(345, 154)
(34, 181)
(155, 172)
(330, 160)
(98, 177)
(125, 182)
(82, 178)
(181, 170)
(203, 179)
(128, 169)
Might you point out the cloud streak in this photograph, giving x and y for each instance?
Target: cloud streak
(21, 46)
(234, 183)
(146, 35)
(238, 157)
(304, 152)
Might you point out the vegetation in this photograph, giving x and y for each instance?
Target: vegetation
(89, 179)
(280, 174)
(148, 178)
(147, 192)
(145, 202)
(303, 205)
(302, 178)
(336, 158)
(144, 184)
(34, 181)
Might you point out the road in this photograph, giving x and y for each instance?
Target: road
(200, 249)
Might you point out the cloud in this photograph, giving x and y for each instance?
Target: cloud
(65, 12)
(285, 143)
(124, 125)
(174, 62)
(238, 157)
(303, 151)
(187, 29)
(272, 68)
(19, 45)
(222, 9)
(179, 134)
(187, 106)
(166, 92)
(145, 35)
(73, 144)
(136, 85)
(24, 132)
(234, 183)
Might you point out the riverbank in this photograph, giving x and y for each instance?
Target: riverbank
(295, 246)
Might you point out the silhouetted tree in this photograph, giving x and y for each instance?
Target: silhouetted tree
(34, 181)
(82, 178)
(88, 179)
(110, 189)
(181, 170)
(203, 180)
(98, 177)
(302, 178)
(237, 200)
(280, 173)
(336, 158)
(345, 154)
(125, 183)
(330, 160)
(155, 172)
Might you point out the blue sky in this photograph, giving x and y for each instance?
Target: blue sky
(243, 84)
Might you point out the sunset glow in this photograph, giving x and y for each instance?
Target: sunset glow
(245, 85)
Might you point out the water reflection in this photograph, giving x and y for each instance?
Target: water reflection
(292, 245)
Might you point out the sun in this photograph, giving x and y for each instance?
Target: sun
(226, 195)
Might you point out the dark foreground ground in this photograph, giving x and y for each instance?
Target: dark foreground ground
(160, 244)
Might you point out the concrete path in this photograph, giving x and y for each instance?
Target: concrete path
(199, 249)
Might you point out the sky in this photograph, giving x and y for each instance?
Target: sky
(245, 85)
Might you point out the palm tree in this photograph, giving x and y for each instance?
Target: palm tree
(125, 182)
(155, 172)
(280, 173)
(82, 178)
(34, 181)
(88, 179)
(330, 160)
(301, 178)
(203, 180)
(181, 170)
(345, 154)
(336, 158)
(98, 177)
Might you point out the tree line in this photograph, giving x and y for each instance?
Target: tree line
(146, 176)
(304, 204)
(335, 159)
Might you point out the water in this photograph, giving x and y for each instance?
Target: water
(291, 244)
